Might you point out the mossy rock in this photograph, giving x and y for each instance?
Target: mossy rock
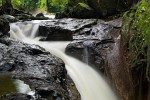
(77, 9)
(136, 39)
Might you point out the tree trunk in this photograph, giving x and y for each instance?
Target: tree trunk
(7, 7)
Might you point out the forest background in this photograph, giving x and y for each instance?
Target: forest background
(52, 6)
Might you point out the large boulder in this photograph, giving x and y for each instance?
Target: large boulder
(87, 43)
(63, 29)
(42, 71)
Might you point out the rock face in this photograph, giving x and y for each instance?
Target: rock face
(109, 7)
(63, 29)
(136, 49)
(43, 72)
(88, 42)
(4, 27)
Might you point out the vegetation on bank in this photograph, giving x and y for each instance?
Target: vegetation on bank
(137, 27)
(136, 35)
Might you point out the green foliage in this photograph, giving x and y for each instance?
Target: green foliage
(17, 3)
(136, 39)
(57, 5)
(84, 5)
(0, 2)
(137, 27)
(142, 22)
(31, 5)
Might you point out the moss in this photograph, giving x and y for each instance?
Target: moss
(136, 35)
(142, 22)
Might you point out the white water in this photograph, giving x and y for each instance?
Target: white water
(89, 83)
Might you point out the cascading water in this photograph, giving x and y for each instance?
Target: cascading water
(89, 83)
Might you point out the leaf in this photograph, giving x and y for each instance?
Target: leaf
(85, 6)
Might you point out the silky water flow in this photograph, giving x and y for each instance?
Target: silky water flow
(90, 84)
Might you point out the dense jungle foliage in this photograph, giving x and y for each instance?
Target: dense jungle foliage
(33, 5)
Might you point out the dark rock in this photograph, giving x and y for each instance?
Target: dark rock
(4, 27)
(16, 96)
(63, 29)
(17, 11)
(24, 17)
(110, 7)
(40, 15)
(6, 66)
(88, 42)
(1, 10)
(42, 71)
(86, 51)
(98, 8)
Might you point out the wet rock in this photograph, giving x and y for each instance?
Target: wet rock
(63, 29)
(16, 96)
(88, 42)
(4, 27)
(10, 18)
(86, 51)
(73, 93)
(6, 66)
(42, 71)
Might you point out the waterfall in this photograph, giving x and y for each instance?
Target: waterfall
(89, 82)
(85, 55)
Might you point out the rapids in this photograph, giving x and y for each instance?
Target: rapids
(90, 84)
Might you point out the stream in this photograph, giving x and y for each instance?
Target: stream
(90, 83)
